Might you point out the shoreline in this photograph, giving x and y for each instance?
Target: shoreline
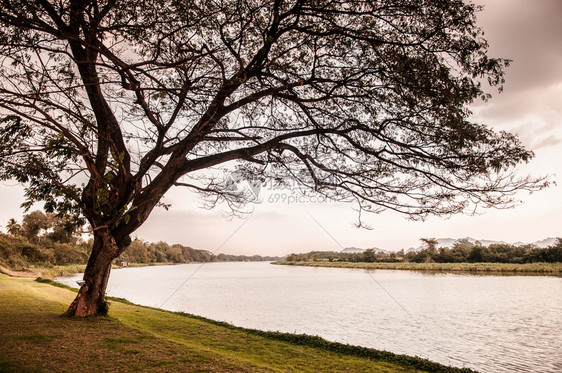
(71, 269)
(141, 338)
(65, 270)
(545, 269)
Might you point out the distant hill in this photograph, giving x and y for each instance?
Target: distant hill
(357, 250)
(449, 242)
(352, 250)
(542, 243)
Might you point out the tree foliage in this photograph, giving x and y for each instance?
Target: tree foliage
(109, 104)
(430, 243)
(162, 252)
(19, 253)
(13, 227)
(33, 223)
(367, 256)
(465, 252)
(364, 99)
(37, 226)
(462, 252)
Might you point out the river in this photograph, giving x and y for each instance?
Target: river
(484, 322)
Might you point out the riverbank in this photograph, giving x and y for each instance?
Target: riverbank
(36, 338)
(45, 272)
(554, 269)
(62, 270)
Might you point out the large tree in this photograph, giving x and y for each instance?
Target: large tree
(107, 104)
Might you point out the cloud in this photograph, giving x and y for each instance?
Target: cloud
(531, 104)
(546, 142)
(529, 35)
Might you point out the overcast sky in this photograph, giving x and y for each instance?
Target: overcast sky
(529, 33)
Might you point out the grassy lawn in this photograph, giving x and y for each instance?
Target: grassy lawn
(36, 338)
(531, 268)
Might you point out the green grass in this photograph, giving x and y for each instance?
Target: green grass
(62, 270)
(537, 268)
(36, 338)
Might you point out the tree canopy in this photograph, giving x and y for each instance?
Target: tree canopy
(108, 104)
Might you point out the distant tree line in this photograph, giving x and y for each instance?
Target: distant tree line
(43, 239)
(161, 252)
(368, 255)
(47, 239)
(465, 251)
(18, 252)
(462, 251)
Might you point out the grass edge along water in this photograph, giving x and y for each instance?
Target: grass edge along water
(133, 338)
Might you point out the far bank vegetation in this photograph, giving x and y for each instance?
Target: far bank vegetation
(462, 251)
(46, 240)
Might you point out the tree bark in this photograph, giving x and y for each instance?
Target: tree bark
(90, 300)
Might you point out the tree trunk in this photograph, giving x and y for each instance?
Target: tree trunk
(90, 299)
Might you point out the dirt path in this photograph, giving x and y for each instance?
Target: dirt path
(11, 273)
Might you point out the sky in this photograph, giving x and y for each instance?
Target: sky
(529, 33)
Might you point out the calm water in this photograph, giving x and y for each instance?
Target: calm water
(488, 323)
